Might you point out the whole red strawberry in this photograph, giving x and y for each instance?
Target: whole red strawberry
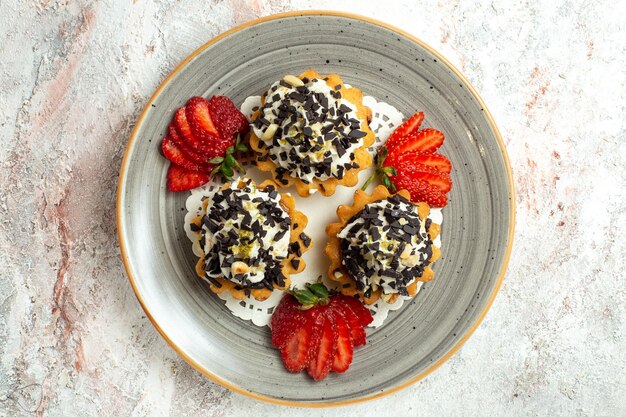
(203, 140)
(408, 161)
(317, 331)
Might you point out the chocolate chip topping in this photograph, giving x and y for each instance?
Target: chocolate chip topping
(318, 131)
(386, 244)
(245, 237)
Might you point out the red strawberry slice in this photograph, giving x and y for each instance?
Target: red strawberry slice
(323, 353)
(345, 349)
(409, 126)
(294, 352)
(435, 160)
(218, 148)
(184, 129)
(197, 110)
(227, 118)
(425, 173)
(316, 322)
(198, 157)
(286, 320)
(364, 315)
(421, 190)
(425, 141)
(181, 179)
(357, 332)
(172, 152)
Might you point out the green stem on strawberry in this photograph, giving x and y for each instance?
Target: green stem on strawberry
(368, 182)
(312, 295)
(382, 172)
(227, 165)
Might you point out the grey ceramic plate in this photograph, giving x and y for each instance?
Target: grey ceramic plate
(385, 63)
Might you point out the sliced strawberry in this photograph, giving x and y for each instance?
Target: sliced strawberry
(323, 353)
(182, 124)
(286, 320)
(357, 332)
(421, 190)
(181, 179)
(184, 129)
(317, 330)
(408, 161)
(218, 148)
(435, 160)
(364, 315)
(197, 111)
(409, 126)
(316, 322)
(345, 349)
(294, 352)
(198, 157)
(425, 173)
(172, 152)
(227, 118)
(425, 141)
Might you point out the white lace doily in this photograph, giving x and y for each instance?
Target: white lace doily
(385, 119)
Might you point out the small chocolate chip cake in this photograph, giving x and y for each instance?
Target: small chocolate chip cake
(312, 132)
(382, 246)
(252, 238)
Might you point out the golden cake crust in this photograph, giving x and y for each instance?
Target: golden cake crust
(347, 284)
(297, 218)
(362, 156)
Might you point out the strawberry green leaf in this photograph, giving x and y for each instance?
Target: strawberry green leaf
(305, 297)
(229, 161)
(318, 290)
(227, 172)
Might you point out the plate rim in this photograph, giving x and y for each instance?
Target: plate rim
(468, 333)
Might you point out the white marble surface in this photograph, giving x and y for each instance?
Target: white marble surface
(74, 75)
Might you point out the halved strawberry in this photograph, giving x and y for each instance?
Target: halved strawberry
(286, 320)
(172, 152)
(294, 352)
(425, 173)
(434, 160)
(227, 118)
(409, 126)
(323, 352)
(197, 111)
(421, 190)
(345, 349)
(181, 179)
(200, 158)
(425, 141)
